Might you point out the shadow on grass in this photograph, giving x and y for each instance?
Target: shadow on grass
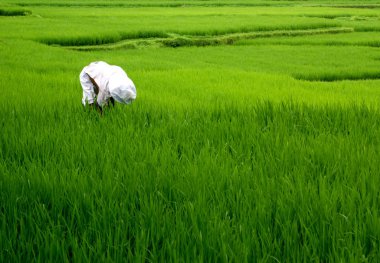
(14, 12)
(331, 77)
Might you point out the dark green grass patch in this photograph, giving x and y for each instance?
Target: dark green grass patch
(103, 39)
(14, 12)
(369, 39)
(360, 6)
(325, 76)
(349, 17)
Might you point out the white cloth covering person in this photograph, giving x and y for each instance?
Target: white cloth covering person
(102, 82)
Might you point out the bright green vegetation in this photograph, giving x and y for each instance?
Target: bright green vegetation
(256, 138)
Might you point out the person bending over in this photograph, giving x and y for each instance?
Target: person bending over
(102, 84)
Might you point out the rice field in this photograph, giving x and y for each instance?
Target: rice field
(255, 135)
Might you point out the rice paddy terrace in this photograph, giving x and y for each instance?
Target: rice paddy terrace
(254, 137)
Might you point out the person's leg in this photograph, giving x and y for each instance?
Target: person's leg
(87, 86)
(112, 101)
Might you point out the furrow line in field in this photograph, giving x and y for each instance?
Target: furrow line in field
(187, 40)
(116, 37)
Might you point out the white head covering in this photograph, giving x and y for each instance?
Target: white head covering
(121, 88)
(123, 93)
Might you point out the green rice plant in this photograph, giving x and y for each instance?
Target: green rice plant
(227, 182)
(215, 38)
(224, 156)
(156, 39)
(146, 3)
(87, 25)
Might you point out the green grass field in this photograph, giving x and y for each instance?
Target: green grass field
(255, 135)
